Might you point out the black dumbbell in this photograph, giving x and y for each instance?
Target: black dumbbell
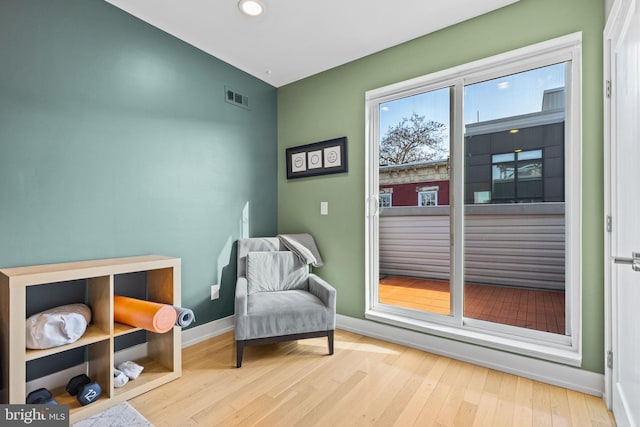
(41, 396)
(85, 390)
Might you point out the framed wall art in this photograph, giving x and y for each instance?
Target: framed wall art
(320, 158)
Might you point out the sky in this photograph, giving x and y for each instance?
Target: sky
(492, 99)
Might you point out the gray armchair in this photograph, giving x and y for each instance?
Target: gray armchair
(277, 299)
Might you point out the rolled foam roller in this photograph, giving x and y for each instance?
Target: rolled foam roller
(149, 315)
(185, 316)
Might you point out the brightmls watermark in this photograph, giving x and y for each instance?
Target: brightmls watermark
(34, 415)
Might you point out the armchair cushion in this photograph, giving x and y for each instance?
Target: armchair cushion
(275, 271)
(284, 313)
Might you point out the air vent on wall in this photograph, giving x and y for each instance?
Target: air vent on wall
(234, 97)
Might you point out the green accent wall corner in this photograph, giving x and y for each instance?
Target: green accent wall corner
(332, 104)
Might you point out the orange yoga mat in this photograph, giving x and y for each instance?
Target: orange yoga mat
(152, 316)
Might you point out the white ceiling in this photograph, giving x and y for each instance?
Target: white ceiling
(298, 38)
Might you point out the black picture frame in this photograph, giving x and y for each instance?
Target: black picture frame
(320, 158)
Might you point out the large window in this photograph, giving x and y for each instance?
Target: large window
(499, 259)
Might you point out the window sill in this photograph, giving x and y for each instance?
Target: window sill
(559, 353)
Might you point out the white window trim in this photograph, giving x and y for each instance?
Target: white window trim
(390, 196)
(563, 349)
(421, 192)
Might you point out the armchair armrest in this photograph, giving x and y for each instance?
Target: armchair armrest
(323, 290)
(241, 297)
(241, 329)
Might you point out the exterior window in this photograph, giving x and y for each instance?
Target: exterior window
(494, 147)
(517, 177)
(428, 198)
(385, 200)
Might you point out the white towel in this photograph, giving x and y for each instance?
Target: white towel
(57, 326)
(303, 246)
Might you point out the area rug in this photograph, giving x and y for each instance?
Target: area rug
(121, 415)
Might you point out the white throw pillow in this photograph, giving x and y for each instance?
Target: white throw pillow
(57, 326)
(275, 271)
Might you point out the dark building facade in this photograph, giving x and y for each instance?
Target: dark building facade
(518, 159)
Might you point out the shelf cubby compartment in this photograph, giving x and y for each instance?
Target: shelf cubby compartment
(154, 375)
(149, 350)
(95, 361)
(93, 291)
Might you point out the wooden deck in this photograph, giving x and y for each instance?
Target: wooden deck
(533, 309)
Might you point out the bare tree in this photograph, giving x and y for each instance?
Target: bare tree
(413, 140)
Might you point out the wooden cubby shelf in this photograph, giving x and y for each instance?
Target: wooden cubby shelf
(156, 277)
(122, 329)
(91, 335)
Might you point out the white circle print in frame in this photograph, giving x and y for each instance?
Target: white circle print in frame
(315, 159)
(332, 157)
(298, 162)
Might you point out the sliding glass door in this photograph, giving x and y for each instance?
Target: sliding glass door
(414, 222)
(514, 194)
(473, 174)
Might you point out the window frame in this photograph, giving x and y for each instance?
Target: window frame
(435, 198)
(554, 347)
(516, 162)
(389, 196)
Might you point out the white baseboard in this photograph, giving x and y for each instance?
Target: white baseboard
(535, 369)
(208, 330)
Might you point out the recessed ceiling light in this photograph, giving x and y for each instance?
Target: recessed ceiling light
(514, 131)
(251, 7)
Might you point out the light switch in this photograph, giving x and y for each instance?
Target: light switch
(324, 208)
(215, 292)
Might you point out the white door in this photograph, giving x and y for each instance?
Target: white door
(624, 210)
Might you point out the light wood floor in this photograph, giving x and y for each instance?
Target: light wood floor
(366, 382)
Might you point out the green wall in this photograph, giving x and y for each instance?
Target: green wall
(332, 104)
(115, 140)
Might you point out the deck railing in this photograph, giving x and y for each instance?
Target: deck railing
(521, 245)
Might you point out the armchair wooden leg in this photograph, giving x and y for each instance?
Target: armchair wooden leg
(330, 339)
(239, 353)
